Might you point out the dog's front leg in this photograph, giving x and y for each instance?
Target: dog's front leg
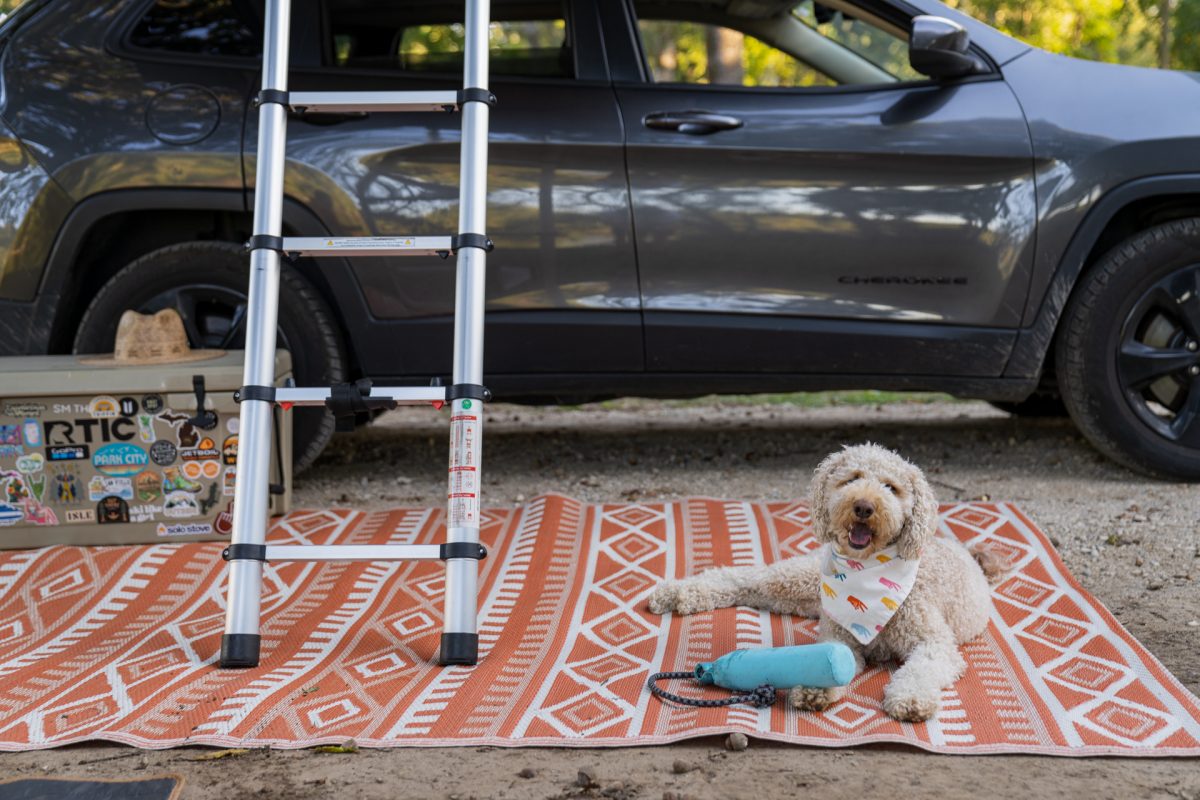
(811, 698)
(785, 587)
(915, 691)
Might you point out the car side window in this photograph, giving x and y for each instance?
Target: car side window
(204, 27)
(533, 45)
(679, 51)
(809, 44)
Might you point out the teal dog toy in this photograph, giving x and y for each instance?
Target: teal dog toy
(763, 671)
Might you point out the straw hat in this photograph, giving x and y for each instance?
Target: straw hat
(151, 339)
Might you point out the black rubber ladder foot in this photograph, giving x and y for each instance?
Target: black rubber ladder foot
(239, 650)
(459, 648)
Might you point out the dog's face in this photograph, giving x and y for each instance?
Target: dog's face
(866, 498)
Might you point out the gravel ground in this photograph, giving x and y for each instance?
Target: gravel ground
(1131, 541)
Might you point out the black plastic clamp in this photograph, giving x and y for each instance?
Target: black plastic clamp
(463, 550)
(460, 240)
(271, 96)
(245, 552)
(471, 391)
(475, 95)
(263, 241)
(348, 400)
(245, 393)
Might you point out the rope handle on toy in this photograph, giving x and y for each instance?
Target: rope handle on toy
(761, 697)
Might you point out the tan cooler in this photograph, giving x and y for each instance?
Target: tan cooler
(97, 453)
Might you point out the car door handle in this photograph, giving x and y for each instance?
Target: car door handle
(695, 123)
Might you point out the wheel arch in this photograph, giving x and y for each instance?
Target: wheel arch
(1125, 210)
(105, 232)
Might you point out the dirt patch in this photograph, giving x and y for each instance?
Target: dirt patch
(1130, 540)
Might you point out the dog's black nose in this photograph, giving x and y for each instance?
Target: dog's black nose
(863, 509)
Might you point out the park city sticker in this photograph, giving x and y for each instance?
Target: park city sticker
(120, 460)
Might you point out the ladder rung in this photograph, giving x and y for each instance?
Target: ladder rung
(401, 394)
(354, 552)
(342, 102)
(369, 246)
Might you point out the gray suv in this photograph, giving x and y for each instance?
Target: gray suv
(686, 197)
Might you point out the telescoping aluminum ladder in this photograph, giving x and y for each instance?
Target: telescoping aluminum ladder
(462, 551)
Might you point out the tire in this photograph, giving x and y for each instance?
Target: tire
(207, 283)
(1037, 405)
(1128, 352)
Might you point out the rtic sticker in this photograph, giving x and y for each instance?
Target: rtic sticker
(89, 431)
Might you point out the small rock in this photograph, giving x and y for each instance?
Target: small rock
(586, 779)
(1154, 586)
(1194, 623)
(736, 742)
(528, 772)
(681, 767)
(1137, 562)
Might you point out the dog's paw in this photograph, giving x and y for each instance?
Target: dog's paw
(680, 597)
(910, 708)
(808, 698)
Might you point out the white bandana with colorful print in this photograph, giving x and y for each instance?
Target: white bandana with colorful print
(862, 595)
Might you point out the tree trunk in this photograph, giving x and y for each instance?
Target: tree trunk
(724, 55)
(1164, 42)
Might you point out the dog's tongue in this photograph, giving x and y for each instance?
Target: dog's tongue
(860, 535)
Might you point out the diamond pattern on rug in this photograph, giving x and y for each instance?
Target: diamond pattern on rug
(120, 643)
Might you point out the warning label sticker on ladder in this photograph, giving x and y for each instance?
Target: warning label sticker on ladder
(463, 490)
(372, 243)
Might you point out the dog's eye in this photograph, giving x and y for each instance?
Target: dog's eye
(850, 480)
(892, 489)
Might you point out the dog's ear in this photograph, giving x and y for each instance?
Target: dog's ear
(922, 522)
(819, 497)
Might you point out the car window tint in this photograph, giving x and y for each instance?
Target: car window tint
(207, 27)
(883, 49)
(533, 45)
(679, 51)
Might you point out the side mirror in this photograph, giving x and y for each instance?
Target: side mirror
(938, 48)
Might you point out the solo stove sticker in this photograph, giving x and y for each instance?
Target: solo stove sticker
(464, 468)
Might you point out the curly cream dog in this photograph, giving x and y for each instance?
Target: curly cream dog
(865, 499)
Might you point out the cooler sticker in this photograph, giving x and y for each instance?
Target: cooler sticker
(229, 481)
(211, 469)
(24, 409)
(31, 463)
(101, 486)
(192, 470)
(180, 504)
(68, 452)
(32, 431)
(229, 450)
(38, 514)
(175, 481)
(181, 422)
(10, 441)
(223, 524)
(184, 529)
(103, 407)
(210, 499)
(9, 515)
(144, 513)
(233, 424)
(66, 488)
(152, 403)
(14, 491)
(112, 510)
(205, 449)
(75, 516)
(163, 453)
(120, 460)
(148, 485)
(128, 406)
(89, 431)
(145, 423)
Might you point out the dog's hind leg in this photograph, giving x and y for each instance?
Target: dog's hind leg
(935, 663)
(786, 587)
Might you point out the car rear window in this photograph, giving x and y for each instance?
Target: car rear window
(530, 41)
(204, 27)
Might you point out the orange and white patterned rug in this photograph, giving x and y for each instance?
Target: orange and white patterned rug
(119, 643)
